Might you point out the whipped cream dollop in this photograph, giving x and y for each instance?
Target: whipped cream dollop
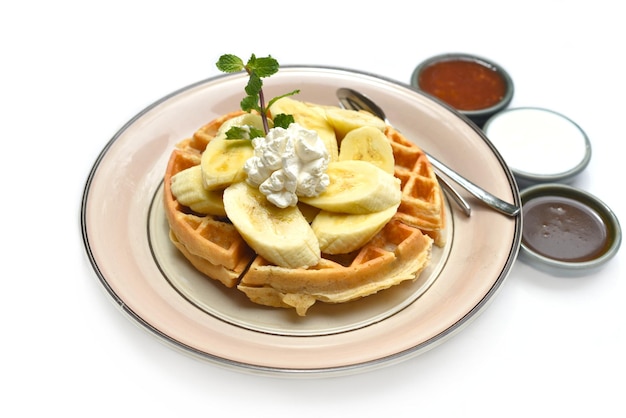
(288, 163)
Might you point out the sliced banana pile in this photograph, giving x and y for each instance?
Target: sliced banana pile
(363, 194)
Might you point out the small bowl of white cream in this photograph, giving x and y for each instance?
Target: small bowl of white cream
(539, 145)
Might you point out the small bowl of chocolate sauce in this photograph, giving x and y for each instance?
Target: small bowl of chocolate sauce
(474, 86)
(567, 230)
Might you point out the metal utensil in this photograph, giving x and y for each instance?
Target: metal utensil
(352, 99)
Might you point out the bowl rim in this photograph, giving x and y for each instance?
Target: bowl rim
(608, 216)
(462, 56)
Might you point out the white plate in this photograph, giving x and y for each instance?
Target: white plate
(125, 236)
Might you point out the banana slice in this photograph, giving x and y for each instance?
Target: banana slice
(222, 162)
(310, 117)
(223, 159)
(346, 120)
(188, 189)
(368, 143)
(357, 187)
(281, 236)
(247, 119)
(309, 212)
(341, 233)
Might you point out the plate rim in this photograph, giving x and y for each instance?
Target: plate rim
(273, 370)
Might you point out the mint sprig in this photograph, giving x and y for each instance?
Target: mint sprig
(257, 69)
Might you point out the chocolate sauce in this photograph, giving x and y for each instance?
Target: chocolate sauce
(563, 229)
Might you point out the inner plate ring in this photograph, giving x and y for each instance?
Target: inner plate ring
(231, 306)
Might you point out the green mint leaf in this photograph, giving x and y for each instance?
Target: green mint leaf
(283, 121)
(281, 96)
(256, 133)
(229, 63)
(254, 86)
(240, 132)
(249, 103)
(264, 67)
(236, 132)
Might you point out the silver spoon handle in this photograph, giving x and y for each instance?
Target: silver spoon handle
(491, 200)
(451, 191)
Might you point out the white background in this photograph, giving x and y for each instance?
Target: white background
(73, 73)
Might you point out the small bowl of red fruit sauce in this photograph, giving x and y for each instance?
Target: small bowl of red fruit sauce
(474, 86)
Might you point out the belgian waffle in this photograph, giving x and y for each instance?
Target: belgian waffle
(422, 197)
(399, 252)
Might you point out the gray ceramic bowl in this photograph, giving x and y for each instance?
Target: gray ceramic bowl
(567, 231)
(539, 145)
(466, 81)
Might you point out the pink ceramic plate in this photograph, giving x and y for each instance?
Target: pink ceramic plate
(125, 236)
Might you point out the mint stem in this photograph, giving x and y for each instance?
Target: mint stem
(266, 126)
(257, 68)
